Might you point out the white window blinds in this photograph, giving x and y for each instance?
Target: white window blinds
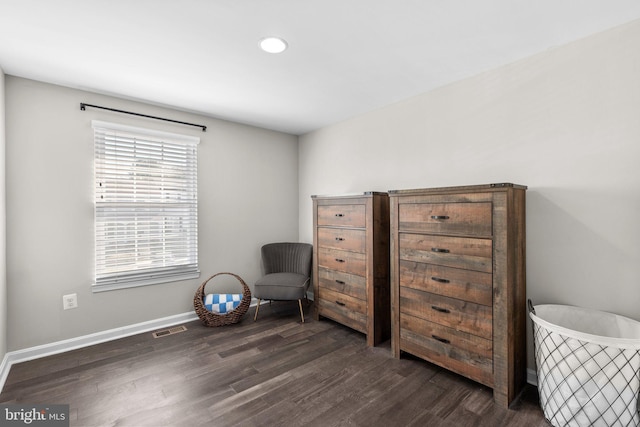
(146, 223)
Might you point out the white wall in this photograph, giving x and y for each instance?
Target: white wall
(247, 183)
(3, 217)
(566, 123)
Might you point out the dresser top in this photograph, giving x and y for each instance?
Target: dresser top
(460, 189)
(366, 193)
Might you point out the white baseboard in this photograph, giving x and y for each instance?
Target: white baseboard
(4, 370)
(87, 340)
(532, 377)
(113, 334)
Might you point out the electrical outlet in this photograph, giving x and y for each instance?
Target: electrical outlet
(69, 301)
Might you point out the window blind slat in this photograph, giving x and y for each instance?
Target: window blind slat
(145, 206)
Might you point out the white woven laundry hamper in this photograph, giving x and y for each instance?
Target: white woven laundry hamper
(588, 366)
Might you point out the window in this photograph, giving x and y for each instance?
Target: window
(146, 219)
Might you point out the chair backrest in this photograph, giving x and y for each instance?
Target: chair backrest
(287, 258)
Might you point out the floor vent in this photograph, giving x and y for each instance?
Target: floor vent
(170, 331)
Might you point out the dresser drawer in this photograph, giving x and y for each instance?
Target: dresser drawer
(342, 215)
(459, 252)
(458, 351)
(460, 315)
(468, 219)
(342, 238)
(344, 283)
(347, 262)
(342, 308)
(467, 285)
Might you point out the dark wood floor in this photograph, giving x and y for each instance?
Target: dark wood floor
(275, 372)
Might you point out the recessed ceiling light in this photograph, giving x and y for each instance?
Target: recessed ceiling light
(273, 44)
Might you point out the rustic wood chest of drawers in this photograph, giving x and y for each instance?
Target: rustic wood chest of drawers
(351, 262)
(458, 281)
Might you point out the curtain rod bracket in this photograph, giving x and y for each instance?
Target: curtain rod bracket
(83, 108)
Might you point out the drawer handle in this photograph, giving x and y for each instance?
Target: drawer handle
(339, 215)
(443, 340)
(339, 282)
(439, 217)
(437, 279)
(440, 250)
(339, 260)
(440, 309)
(339, 239)
(341, 304)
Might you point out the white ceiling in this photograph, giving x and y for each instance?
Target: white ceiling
(345, 57)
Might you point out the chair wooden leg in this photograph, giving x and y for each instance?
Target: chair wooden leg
(255, 316)
(301, 313)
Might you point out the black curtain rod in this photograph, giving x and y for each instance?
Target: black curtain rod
(83, 107)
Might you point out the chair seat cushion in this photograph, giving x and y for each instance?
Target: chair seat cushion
(222, 303)
(281, 286)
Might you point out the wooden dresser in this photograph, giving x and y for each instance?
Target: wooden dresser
(351, 262)
(458, 282)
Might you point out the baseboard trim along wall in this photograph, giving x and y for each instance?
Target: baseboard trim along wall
(113, 334)
(532, 377)
(87, 340)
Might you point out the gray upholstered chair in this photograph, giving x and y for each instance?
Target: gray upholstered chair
(287, 269)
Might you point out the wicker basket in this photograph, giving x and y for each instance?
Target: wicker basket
(215, 319)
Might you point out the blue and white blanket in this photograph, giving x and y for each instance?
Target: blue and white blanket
(222, 303)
